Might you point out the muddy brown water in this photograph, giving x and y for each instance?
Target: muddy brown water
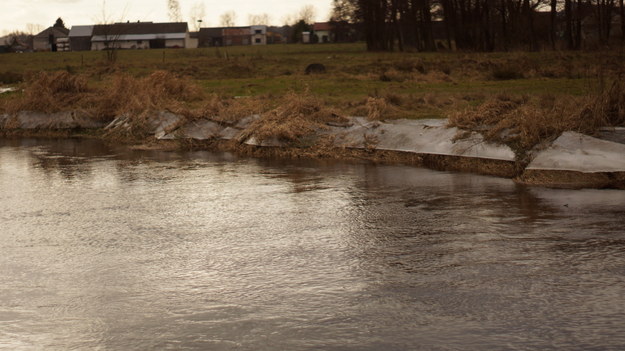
(111, 249)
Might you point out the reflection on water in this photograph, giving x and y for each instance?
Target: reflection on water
(106, 248)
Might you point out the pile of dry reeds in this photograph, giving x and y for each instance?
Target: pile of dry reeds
(230, 110)
(48, 92)
(523, 122)
(120, 94)
(126, 95)
(296, 116)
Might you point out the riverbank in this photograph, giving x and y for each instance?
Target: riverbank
(406, 85)
(502, 114)
(572, 160)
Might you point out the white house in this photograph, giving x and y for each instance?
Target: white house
(141, 35)
(259, 35)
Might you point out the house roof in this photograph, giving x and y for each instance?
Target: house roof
(56, 31)
(81, 31)
(135, 37)
(139, 28)
(211, 32)
(322, 26)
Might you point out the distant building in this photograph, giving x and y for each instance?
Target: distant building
(274, 37)
(209, 37)
(5, 46)
(323, 32)
(259, 35)
(80, 38)
(141, 35)
(232, 36)
(193, 40)
(47, 39)
(306, 37)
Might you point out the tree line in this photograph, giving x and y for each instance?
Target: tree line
(482, 25)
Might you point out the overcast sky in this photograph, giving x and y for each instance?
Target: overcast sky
(16, 14)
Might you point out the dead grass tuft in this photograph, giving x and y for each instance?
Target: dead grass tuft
(377, 108)
(49, 92)
(138, 97)
(297, 116)
(608, 107)
(524, 122)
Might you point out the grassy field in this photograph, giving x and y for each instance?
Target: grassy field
(410, 85)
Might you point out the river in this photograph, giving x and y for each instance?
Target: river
(105, 248)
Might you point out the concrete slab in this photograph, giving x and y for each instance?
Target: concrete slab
(198, 130)
(4, 118)
(613, 134)
(417, 136)
(163, 123)
(59, 120)
(229, 133)
(272, 142)
(581, 153)
(245, 122)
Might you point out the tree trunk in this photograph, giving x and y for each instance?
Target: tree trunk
(552, 25)
(622, 13)
(568, 33)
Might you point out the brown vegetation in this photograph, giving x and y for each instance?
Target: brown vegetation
(296, 116)
(48, 92)
(523, 122)
(118, 95)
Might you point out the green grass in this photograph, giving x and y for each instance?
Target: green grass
(353, 74)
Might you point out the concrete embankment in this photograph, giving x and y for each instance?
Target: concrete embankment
(573, 160)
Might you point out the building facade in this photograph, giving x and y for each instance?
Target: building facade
(47, 39)
(141, 35)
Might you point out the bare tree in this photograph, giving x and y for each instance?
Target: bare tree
(257, 20)
(289, 20)
(307, 14)
(109, 33)
(173, 7)
(32, 28)
(228, 19)
(198, 12)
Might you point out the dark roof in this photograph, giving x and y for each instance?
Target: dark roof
(211, 32)
(140, 28)
(58, 31)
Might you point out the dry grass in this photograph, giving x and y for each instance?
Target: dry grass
(527, 121)
(296, 116)
(48, 92)
(121, 94)
(608, 107)
(160, 90)
(230, 110)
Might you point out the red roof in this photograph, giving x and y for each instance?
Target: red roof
(322, 26)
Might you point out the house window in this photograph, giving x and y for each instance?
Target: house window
(259, 31)
(258, 41)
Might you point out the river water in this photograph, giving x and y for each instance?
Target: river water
(103, 248)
